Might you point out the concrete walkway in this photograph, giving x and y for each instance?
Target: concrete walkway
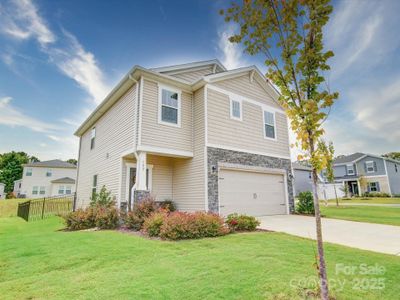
(367, 236)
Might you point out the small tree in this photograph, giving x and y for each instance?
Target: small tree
(345, 189)
(329, 152)
(290, 36)
(103, 198)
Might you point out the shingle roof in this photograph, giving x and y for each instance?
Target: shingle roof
(55, 163)
(298, 166)
(64, 180)
(348, 158)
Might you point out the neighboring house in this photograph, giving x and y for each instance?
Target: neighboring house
(17, 188)
(2, 194)
(46, 178)
(380, 174)
(302, 178)
(200, 135)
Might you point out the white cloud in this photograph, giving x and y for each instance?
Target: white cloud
(232, 53)
(21, 21)
(13, 117)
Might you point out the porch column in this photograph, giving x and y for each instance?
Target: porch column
(359, 188)
(141, 171)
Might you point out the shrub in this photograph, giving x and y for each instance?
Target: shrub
(306, 203)
(376, 195)
(10, 195)
(152, 225)
(182, 225)
(102, 198)
(167, 205)
(80, 219)
(142, 210)
(106, 217)
(238, 222)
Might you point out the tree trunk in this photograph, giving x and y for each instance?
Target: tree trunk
(320, 245)
(337, 200)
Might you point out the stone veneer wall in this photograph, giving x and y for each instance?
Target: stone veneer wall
(216, 155)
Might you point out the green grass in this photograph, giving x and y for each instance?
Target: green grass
(39, 262)
(370, 214)
(376, 200)
(8, 207)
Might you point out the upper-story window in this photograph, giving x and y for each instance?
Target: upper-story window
(48, 173)
(269, 125)
(350, 169)
(28, 172)
(369, 165)
(92, 137)
(395, 168)
(169, 107)
(236, 109)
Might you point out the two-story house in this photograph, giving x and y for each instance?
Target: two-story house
(207, 138)
(45, 179)
(379, 174)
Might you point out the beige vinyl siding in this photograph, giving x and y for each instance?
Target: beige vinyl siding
(162, 177)
(161, 135)
(253, 90)
(192, 76)
(383, 183)
(115, 132)
(247, 134)
(189, 174)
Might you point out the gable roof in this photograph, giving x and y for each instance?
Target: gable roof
(187, 66)
(348, 158)
(161, 75)
(64, 180)
(55, 163)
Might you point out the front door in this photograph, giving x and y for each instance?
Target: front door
(354, 188)
(132, 180)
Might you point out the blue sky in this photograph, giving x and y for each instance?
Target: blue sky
(58, 59)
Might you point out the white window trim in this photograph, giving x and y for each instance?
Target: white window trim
(179, 92)
(61, 188)
(30, 172)
(42, 188)
(352, 168)
(240, 108)
(275, 131)
(37, 190)
(370, 186)
(373, 167)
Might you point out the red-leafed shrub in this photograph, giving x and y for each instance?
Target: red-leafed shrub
(152, 225)
(106, 217)
(80, 219)
(238, 222)
(182, 225)
(142, 210)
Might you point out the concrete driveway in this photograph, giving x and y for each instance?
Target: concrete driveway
(367, 236)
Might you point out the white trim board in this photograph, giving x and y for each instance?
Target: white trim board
(246, 151)
(165, 151)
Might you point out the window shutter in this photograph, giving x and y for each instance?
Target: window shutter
(378, 189)
(375, 167)
(365, 167)
(369, 188)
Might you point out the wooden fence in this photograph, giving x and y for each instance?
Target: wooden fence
(38, 209)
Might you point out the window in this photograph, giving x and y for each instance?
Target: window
(94, 187)
(68, 190)
(369, 165)
(35, 190)
(48, 173)
(61, 190)
(42, 190)
(350, 170)
(269, 125)
(92, 137)
(169, 107)
(236, 109)
(28, 172)
(373, 186)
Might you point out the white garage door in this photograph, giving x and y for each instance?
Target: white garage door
(251, 193)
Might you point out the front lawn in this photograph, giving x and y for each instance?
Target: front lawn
(370, 214)
(39, 262)
(9, 207)
(376, 200)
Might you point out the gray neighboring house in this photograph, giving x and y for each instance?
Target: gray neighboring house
(302, 178)
(381, 174)
(2, 194)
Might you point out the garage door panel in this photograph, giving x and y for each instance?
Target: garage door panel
(251, 193)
